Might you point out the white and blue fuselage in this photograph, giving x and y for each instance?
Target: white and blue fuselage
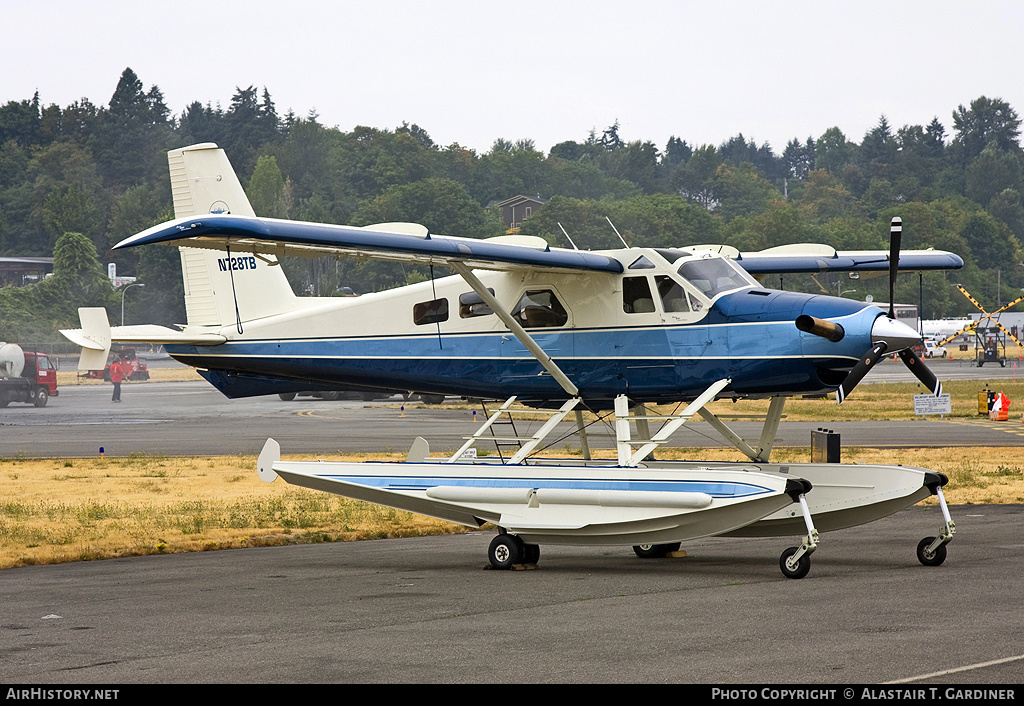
(657, 332)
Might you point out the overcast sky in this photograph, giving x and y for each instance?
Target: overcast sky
(473, 71)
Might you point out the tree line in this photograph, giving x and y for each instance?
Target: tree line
(101, 171)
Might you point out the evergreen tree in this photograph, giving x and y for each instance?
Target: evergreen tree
(133, 135)
(877, 153)
(34, 313)
(610, 139)
(833, 152)
(20, 121)
(987, 120)
(199, 123)
(798, 159)
(268, 193)
(676, 152)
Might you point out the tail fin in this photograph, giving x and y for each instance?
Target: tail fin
(222, 288)
(94, 338)
(202, 181)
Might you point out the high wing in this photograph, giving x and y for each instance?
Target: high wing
(811, 258)
(409, 242)
(404, 242)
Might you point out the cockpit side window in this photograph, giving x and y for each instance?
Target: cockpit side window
(636, 295)
(673, 296)
(712, 276)
(540, 308)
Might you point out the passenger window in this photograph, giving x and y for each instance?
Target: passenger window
(538, 309)
(673, 296)
(471, 305)
(431, 312)
(636, 295)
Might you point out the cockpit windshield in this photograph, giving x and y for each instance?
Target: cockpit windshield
(715, 275)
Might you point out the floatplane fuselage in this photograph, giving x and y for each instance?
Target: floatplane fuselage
(650, 334)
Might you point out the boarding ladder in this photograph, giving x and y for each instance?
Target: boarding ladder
(503, 432)
(526, 444)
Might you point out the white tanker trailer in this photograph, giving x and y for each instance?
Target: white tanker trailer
(26, 376)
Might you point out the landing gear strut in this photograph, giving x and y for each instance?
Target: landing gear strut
(795, 562)
(931, 551)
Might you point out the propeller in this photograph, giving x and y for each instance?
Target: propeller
(866, 362)
(913, 361)
(889, 334)
(895, 240)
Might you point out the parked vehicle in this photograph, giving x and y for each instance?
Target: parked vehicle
(26, 376)
(135, 369)
(933, 350)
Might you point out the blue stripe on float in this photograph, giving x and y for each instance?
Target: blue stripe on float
(417, 483)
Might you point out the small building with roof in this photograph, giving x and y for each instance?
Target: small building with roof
(517, 209)
(19, 271)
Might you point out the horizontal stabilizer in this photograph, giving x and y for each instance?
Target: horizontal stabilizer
(94, 337)
(152, 333)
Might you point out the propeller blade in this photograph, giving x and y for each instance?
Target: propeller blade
(921, 371)
(861, 369)
(895, 239)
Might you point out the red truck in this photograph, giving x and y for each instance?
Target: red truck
(26, 376)
(134, 368)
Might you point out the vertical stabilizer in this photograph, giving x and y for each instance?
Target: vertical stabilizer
(222, 289)
(202, 181)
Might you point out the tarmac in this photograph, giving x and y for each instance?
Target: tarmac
(426, 610)
(192, 418)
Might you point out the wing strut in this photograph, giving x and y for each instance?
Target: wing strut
(767, 440)
(647, 444)
(513, 326)
(628, 457)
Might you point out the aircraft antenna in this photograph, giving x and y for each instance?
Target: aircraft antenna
(437, 318)
(568, 238)
(624, 243)
(234, 295)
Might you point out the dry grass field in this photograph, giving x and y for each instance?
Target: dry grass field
(60, 510)
(71, 376)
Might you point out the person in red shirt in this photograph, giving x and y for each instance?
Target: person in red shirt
(116, 376)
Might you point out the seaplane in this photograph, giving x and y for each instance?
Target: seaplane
(558, 331)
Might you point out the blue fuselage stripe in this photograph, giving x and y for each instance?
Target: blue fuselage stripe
(648, 363)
